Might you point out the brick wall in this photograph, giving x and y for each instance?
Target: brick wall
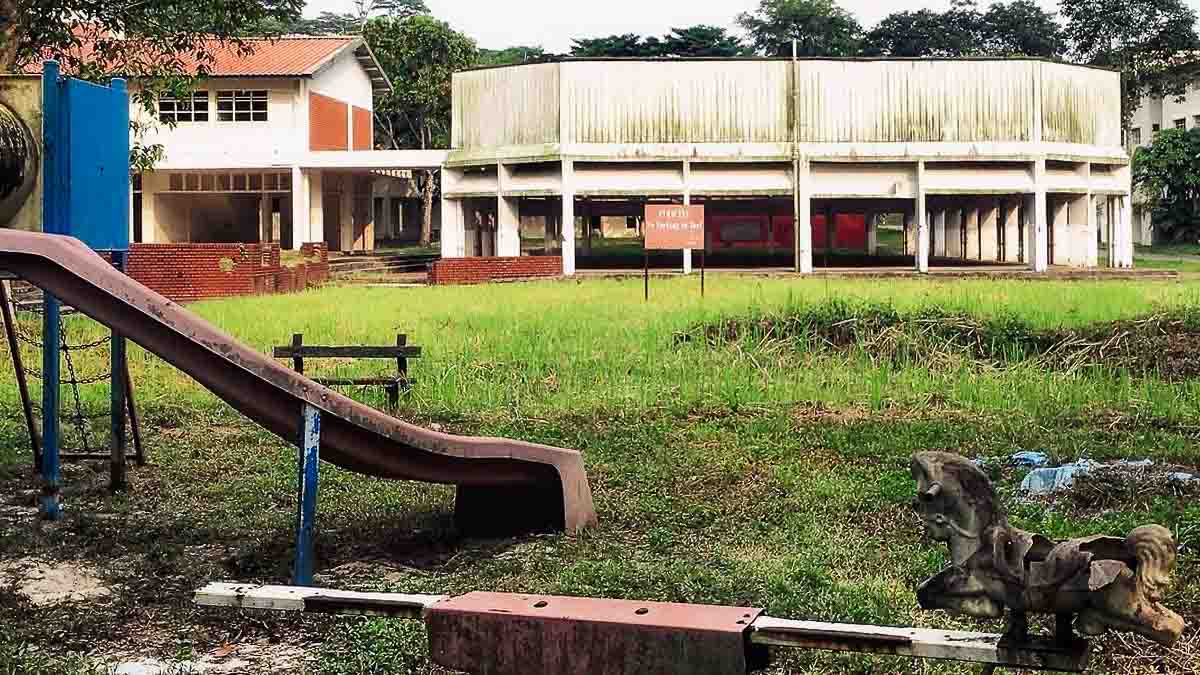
(483, 270)
(190, 272)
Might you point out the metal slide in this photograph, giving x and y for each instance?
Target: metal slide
(504, 486)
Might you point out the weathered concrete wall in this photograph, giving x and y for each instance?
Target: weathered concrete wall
(1080, 105)
(506, 107)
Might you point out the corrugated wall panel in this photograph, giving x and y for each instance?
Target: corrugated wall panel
(506, 106)
(1080, 105)
(915, 101)
(685, 102)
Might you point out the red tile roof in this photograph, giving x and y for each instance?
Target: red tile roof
(294, 56)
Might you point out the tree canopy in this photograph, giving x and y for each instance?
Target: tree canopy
(819, 27)
(1145, 39)
(342, 23)
(695, 41)
(1018, 28)
(510, 55)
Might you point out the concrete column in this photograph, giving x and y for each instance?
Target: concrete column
(940, 231)
(1124, 235)
(1038, 253)
(568, 217)
(1010, 213)
(301, 228)
(954, 229)
(802, 217)
(264, 217)
(508, 216)
(1091, 244)
(872, 232)
(316, 205)
(972, 227)
(687, 201)
(1060, 218)
(454, 233)
(989, 234)
(586, 221)
(921, 215)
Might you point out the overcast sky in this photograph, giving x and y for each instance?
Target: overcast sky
(553, 23)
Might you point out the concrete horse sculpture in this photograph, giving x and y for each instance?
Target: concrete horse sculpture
(1106, 581)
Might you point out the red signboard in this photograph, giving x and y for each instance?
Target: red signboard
(672, 228)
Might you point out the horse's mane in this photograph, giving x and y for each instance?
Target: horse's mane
(976, 490)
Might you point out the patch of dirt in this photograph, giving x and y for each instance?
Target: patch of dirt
(47, 583)
(259, 657)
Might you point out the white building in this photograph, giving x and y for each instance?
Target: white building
(1016, 161)
(1155, 113)
(278, 146)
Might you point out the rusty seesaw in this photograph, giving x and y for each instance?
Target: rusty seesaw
(1090, 585)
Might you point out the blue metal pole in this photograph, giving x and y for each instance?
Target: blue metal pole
(116, 481)
(53, 205)
(310, 457)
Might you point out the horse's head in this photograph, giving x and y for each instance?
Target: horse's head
(958, 590)
(956, 501)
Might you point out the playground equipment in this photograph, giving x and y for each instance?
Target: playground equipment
(503, 486)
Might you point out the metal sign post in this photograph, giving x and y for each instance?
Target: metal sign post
(309, 461)
(670, 227)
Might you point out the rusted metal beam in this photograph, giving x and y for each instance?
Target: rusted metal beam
(499, 634)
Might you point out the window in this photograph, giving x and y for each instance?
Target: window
(1154, 128)
(1196, 120)
(242, 106)
(1135, 136)
(193, 108)
(1181, 123)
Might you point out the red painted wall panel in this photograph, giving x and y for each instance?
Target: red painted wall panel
(327, 123)
(364, 129)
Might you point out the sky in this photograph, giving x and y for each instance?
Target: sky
(552, 24)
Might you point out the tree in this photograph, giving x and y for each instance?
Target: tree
(1144, 39)
(167, 44)
(420, 55)
(819, 27)
(629, 44)
(1022, 28)
(348, 23)
(920, 33)
(1167, 174)
(702, 41)
(510, 55)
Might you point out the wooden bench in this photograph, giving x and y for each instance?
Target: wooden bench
(402, 352)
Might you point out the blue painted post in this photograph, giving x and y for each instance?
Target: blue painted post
(116, 482)
(310, 457)
(53, 205)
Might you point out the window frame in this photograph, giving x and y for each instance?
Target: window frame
(1180, 123)
(195, 109)
(1135, 136)
(243, 105)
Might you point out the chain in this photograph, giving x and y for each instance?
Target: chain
(80, 422)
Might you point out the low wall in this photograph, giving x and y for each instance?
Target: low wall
(190, 272)
(482, 270)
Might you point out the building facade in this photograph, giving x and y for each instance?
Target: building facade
(277, 146)
(1154, 114)
(986, 161)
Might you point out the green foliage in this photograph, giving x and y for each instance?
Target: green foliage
(1144, 39)
(510, 55)
(343, 23)
(819, 27)
(1167, 174)
(695, 41)
(1020, 27)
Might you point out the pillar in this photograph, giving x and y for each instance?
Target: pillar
(1060, 219)
(687, 201)
(954, 230)
(940, 230)
(264, 218)
(872, 232)
(508, 216)
(586, 221)
(1124, 235)
(989, 235)
(568, 217)
(1011, 213)
(802, 217)
(971, 226)
(454, 233)
(1091, 243)
(301, 222)
(922, 217)
(1039, 250)
(316, 206)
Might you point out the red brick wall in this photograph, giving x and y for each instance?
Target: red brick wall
(483, 270)
(327, 119)
(364, 129)
(190, 272)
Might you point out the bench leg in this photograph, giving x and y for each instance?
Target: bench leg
(310, 457)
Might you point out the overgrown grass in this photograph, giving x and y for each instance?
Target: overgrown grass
(739, 472)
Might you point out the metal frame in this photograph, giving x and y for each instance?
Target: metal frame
(308, 471)
(511, 634)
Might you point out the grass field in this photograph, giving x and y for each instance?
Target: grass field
(761, 468)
